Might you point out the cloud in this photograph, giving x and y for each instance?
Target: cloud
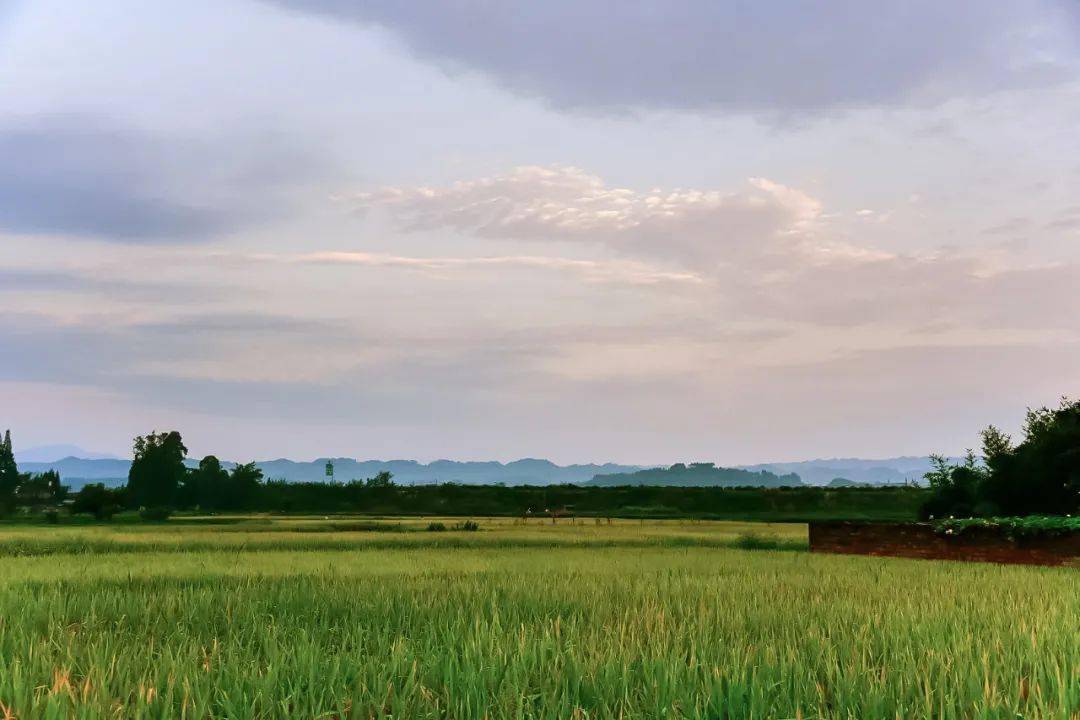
(911, 292)
(567, 204)
(609, 271)
(75, 176)
(84, 176)
(81, 283)
(769, 56)
(766, 251)
(270, 366)
(1065, 224)
(1012, 226)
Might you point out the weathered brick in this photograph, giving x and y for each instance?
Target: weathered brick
(919, 540)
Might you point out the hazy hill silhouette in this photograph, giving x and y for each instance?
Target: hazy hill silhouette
(77, 471)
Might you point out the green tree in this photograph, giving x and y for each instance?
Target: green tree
(98, 500)
(204, 486)
(384, 479)
(955, 488)
(9, 475)
(996, 445)
(157, 470)
(41, 489)
(1041, 474)
(242, 488)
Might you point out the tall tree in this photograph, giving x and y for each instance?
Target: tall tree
(157, 470)
(204, 486)
(1042, 473)
(1038, 475)
(9, 475)
(243, 487)
(40, 489)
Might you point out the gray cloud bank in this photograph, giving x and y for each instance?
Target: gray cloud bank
(86, 176)
(767, 56)
(75, 176)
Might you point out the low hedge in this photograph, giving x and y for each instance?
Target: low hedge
(1012, 527)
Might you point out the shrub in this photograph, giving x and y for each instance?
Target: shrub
(468, 526)
(98, 500)
(155, 514)
(52, 517)
(436, 527)
(754, 541)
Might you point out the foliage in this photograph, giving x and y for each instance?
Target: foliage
(434, 630)
(155, 514)
(955, 488)
(468, 526)
(204, 487)
(9, 475)
(436, 527)
(212, 487)
(383, 479)
(243, 486)
(881, 503)
(1039, 476)
(698, 475)
(1013, 527)
(157, 470)
(98, 500)
(756, 541)
(40, 490)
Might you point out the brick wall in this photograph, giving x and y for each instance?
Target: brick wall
(916, 540)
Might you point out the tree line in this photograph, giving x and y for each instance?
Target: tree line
(36, 491)
(159, 481)
(1039, 475)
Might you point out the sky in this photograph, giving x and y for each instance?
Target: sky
(646, 232)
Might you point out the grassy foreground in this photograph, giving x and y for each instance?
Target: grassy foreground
(304, 619)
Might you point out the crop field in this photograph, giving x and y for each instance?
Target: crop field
(361, 618)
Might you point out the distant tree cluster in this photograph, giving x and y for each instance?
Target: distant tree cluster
(699, 474)
(1040, 475)
(158, 482)
(34, 491)
(159, 478)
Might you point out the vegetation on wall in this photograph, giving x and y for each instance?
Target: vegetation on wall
(1012, 527)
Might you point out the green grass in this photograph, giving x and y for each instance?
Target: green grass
(632, 620)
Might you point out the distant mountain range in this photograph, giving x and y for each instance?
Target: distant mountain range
(77, 471)
(698, 475)
(52, 453)
(890, 471)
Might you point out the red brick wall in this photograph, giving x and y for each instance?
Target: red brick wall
(915, 540)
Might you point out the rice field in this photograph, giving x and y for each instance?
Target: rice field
(350, 618)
